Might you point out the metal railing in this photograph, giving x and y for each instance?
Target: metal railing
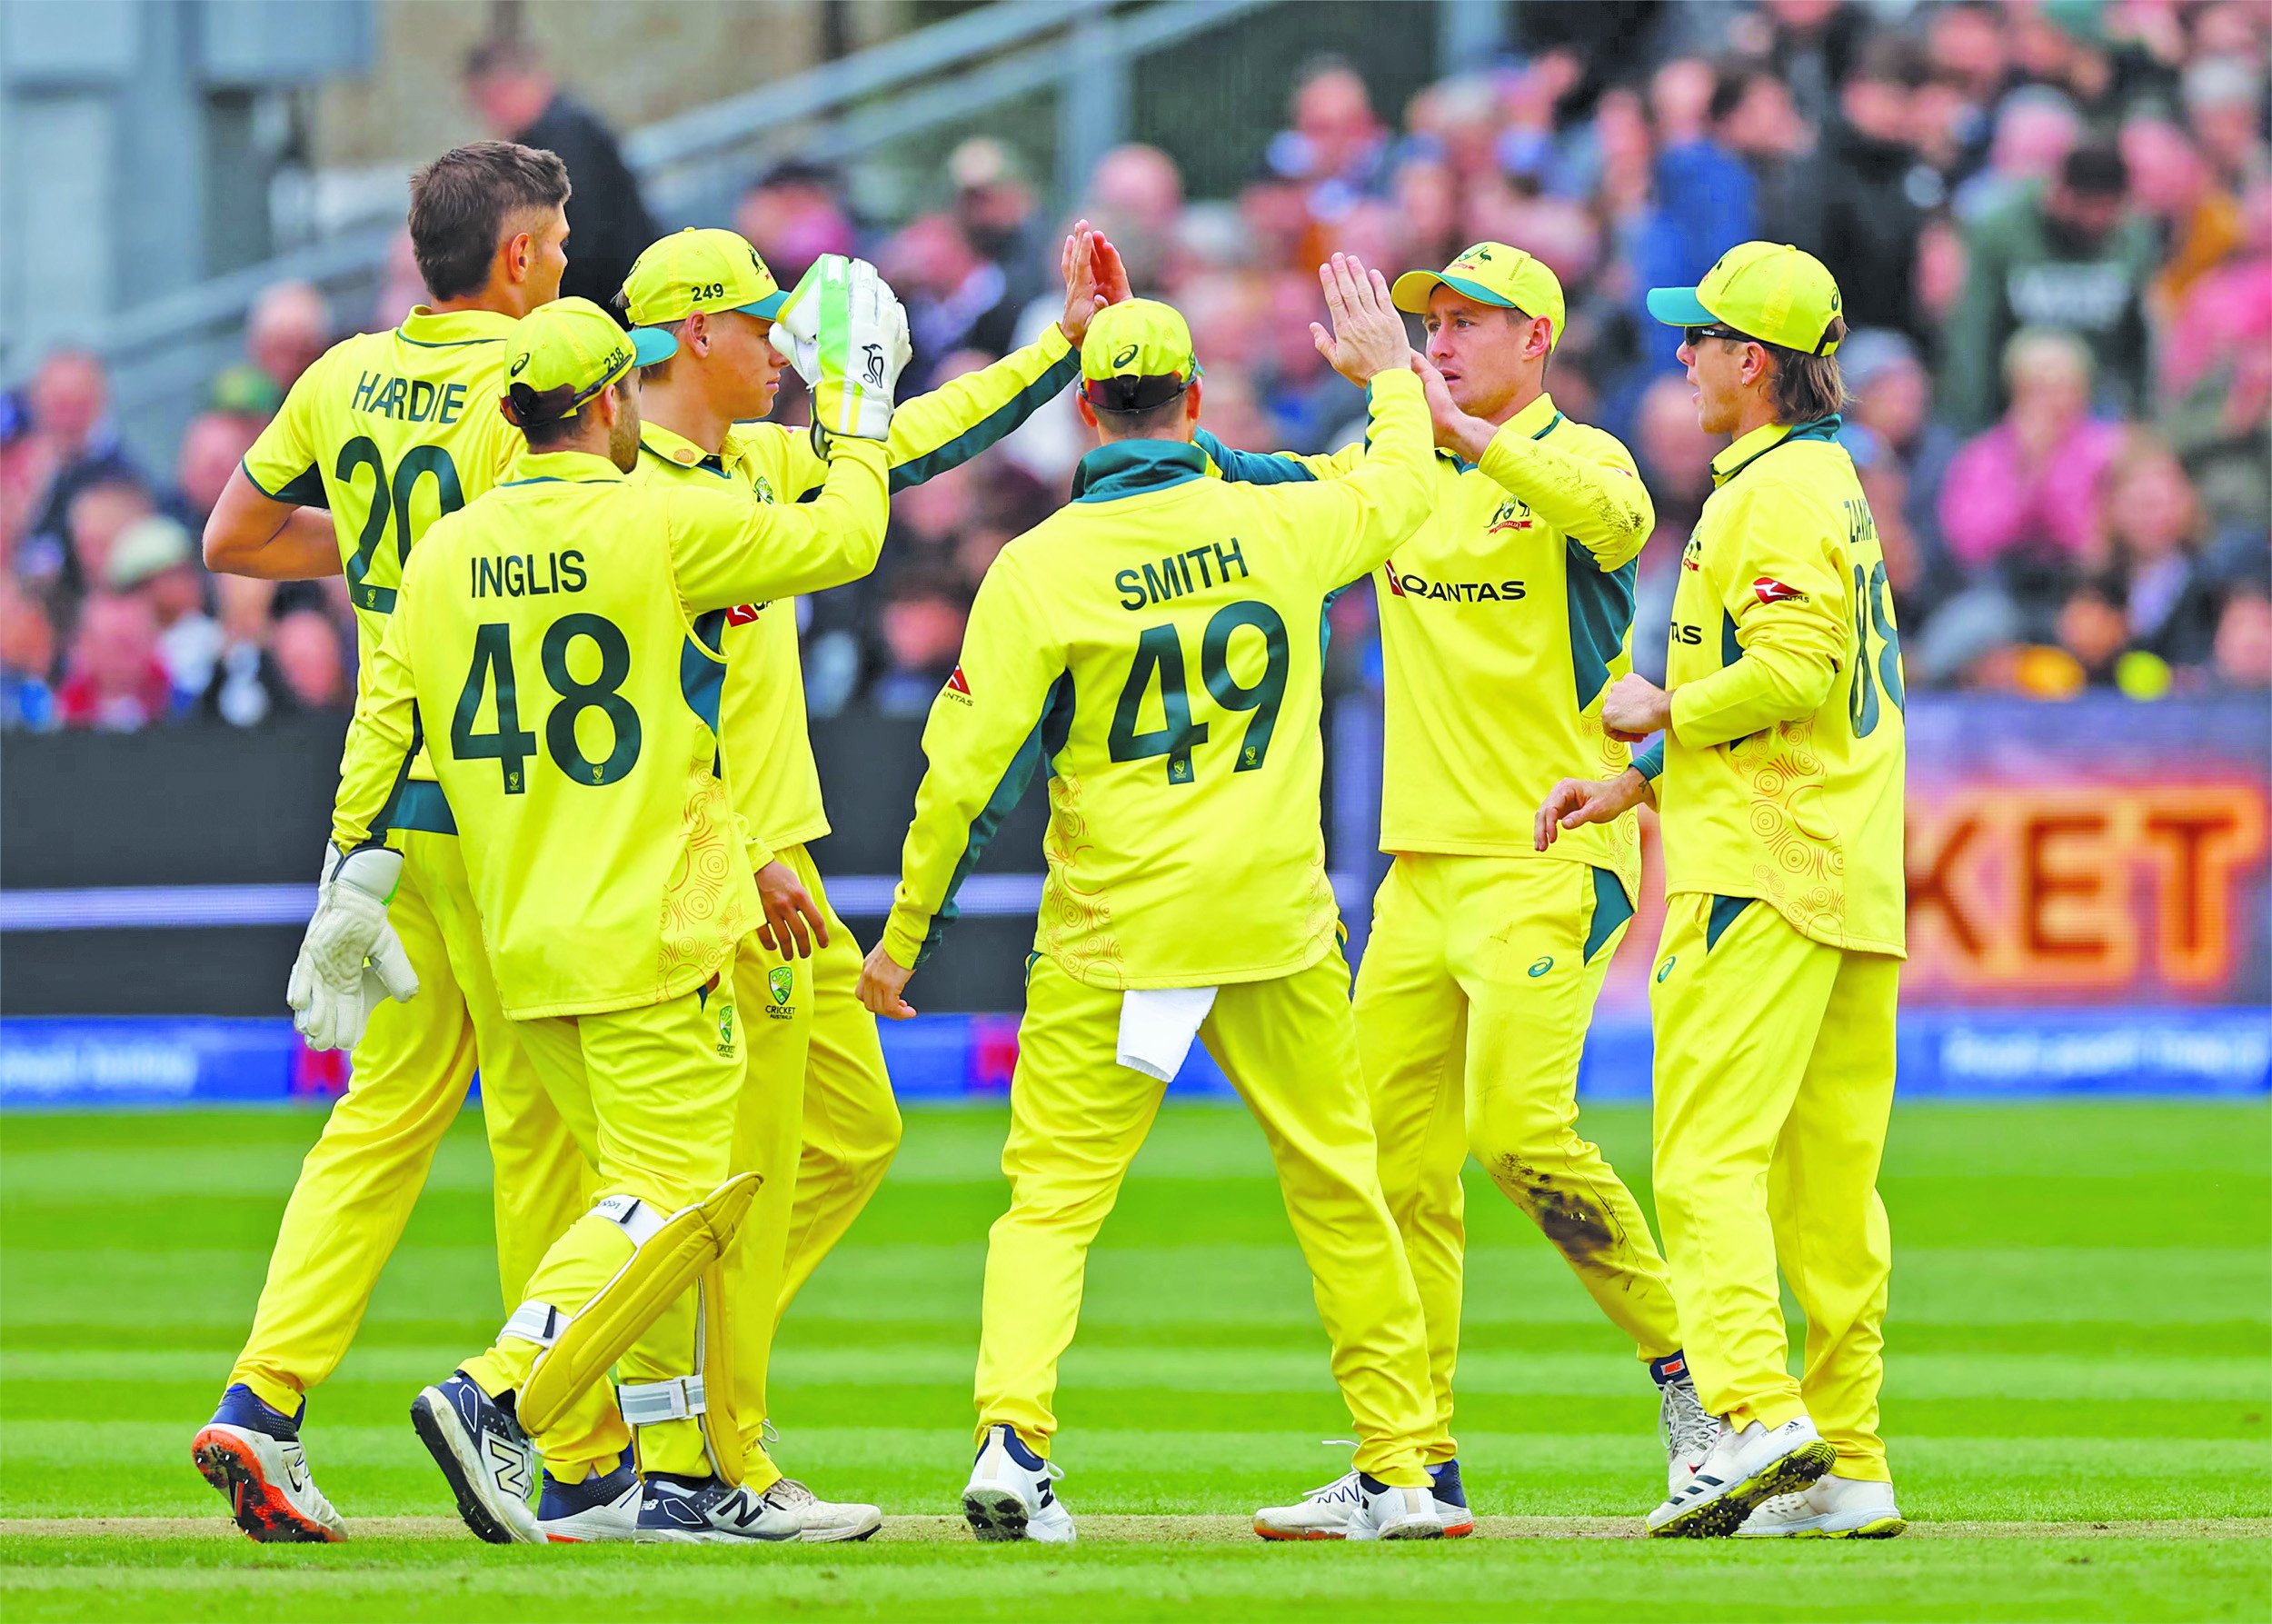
(693, 167)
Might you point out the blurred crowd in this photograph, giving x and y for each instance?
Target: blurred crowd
(2052, 224)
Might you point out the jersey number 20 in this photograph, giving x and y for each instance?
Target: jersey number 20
(510, 746)
(1159, 656)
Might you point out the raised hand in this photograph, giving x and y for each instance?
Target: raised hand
(1094, 278)
(1367, 335)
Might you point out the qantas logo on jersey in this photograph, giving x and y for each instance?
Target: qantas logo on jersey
(1514, 514)
(1768, 589)
(959, 686)
(745, 614)
(1403, 584)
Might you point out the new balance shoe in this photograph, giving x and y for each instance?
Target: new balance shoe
(1743, 1468)
(602, 1510)
(1009, 1494)
(684, 1510)
(1356, 1506)
(1451, 1501)
(490, 1464)
(1687, 1429)
(820, 1522)
(1831, 1507)
(252, 1454)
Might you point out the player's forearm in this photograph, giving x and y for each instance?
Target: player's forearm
(1277, 467)
(1395, 484)
(381, 742)
(249, 533)
(1601, 506)
(957, 420)
(1769, 684)
(782, 549)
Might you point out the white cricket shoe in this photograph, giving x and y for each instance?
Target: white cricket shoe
(602, 1510)
(820, 1522)
(489, 1461)
(684, 1510)
(1010, 1495)
(1689, 1429)
(1354, 1506)
(1742, 1469)
(252, 1454)
(1831, 1507)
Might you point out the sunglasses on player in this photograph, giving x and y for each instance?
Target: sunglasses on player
(1693, 336)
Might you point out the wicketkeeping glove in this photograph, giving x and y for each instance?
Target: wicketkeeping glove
(845, 332)
(351, 959)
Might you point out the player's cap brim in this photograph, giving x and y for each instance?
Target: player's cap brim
(1679, 307)
(1412, 290)
(651, 344)
(768, 306)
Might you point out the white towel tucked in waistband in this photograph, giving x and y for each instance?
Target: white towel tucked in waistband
(1157, 1026)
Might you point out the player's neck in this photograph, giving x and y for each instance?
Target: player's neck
(1526, 391)
(683, 410)
(1753, 411)
(494, 301)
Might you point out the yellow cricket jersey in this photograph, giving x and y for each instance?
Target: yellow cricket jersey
(1159, 642)
(390, 431)
(1503, 620)
(764, 698)
(557, 644)
(1781, 778)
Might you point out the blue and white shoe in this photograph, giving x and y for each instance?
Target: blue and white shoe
(684, 1510)
(490, 1464)
(602, 1510)
(252, 1454)
(1009, 1494)
(1355, 1506)
(1451, 1501)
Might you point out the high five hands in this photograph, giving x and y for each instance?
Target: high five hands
(1094, 278)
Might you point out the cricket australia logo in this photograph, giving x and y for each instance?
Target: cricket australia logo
(781, 980)
(763, 486)
(725, 1031)
(1514, 514)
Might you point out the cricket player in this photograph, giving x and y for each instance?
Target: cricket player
(1157, 643)
(569, 626)
(1504, 620)
(1778, 780)
(389, 431)
(816, 1071)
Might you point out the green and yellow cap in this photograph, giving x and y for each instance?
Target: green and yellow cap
(1136, 355)
(1488, 274)
(700, 268)
(1771, 291)
(562, 353)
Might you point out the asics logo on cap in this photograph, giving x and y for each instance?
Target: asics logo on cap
(1122, 357)
(520, 365)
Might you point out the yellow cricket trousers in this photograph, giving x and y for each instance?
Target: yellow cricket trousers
(663, 1082)
(1077, 1118)
(359, 1183)
(1775, 1061)
(1472, 1001)
(816, 1120)
(851, 1127)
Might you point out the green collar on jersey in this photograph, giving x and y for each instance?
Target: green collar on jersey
(1132, 467)
(1760, 441)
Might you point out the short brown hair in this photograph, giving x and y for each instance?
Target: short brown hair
(461, 202)
(543, 433)
(1805, 386)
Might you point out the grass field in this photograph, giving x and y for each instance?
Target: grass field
(2079, 1388)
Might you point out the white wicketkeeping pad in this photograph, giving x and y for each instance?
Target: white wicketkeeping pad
(1157, 1026)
